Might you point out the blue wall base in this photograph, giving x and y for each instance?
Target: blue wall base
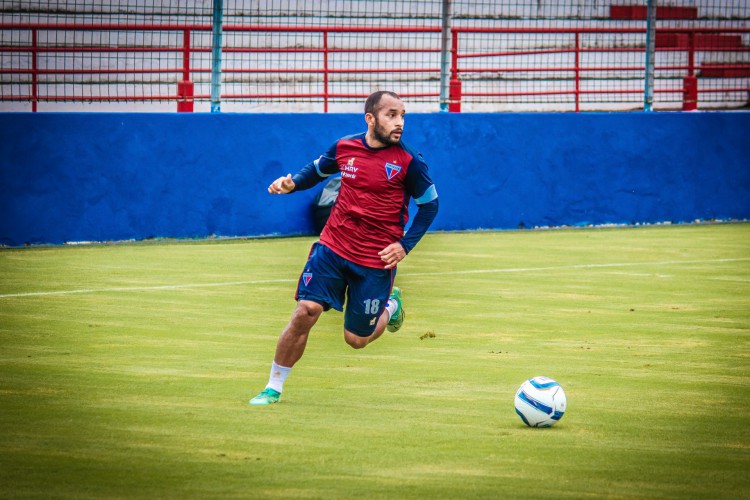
(102, 177)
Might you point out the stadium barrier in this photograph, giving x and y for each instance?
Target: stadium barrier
(120, 176)
(455, 55)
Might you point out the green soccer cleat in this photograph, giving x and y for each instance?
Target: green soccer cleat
(397, 320)
(266, 397)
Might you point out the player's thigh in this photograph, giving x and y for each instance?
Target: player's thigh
(367, 297)
(323, 279)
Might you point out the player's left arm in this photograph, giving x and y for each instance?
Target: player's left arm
(419, 186)
(422, 220)
(396, 252)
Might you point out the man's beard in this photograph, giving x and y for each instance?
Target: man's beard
(379, 133)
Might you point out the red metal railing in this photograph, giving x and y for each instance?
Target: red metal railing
(686, 41)
(326, 51)
(689, 88)
(185, 95)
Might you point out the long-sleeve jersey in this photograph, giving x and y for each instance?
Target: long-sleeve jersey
(373, 203)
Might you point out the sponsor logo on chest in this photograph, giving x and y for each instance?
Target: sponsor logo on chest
(349, 170)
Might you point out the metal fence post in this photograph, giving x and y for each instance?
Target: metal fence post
(216, 57)
(690, 82)
(445, 55)
(185, 87)
(648, 91)
(454, 94)
(34, 71)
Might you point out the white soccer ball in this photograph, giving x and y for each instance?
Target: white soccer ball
(540, 402)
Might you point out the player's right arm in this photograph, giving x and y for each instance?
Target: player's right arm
(310, 175)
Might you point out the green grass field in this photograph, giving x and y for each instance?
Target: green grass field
(125, 371)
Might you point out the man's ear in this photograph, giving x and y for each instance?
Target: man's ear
(369, 119)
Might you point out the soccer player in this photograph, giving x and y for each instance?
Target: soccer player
(364, 238)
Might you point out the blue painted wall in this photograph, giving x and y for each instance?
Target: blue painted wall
(89, 176)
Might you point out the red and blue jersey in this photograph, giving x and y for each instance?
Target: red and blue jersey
(372, 207)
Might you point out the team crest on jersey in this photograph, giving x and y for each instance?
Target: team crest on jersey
(392, 170)
(306, 277)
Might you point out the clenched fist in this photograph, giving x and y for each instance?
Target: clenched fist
(282, 185)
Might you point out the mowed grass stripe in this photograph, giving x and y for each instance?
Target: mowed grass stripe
(142, 393)
(446, 273)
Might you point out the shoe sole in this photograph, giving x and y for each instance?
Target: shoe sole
(263, 402)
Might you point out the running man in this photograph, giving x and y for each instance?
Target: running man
(363, 240)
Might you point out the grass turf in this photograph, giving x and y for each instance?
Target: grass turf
(125, 371)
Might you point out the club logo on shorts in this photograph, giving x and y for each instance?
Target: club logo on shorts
(306, 277)
(392, 170)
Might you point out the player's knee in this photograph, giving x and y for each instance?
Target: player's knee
(307, 311)
(355, 341)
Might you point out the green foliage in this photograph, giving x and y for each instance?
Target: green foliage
(125, 371)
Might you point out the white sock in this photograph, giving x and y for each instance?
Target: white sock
(278, 376)
(391, 307)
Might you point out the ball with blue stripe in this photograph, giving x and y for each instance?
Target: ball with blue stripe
(540, 402)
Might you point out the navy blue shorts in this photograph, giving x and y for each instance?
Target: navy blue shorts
(329, 280)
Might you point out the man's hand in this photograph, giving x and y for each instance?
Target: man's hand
(392, 255)
(282, 185)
